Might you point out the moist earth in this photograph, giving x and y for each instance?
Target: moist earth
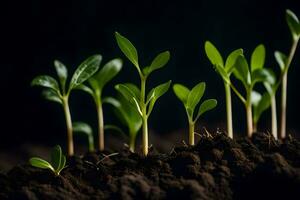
(216, 168)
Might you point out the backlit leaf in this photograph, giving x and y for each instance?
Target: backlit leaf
(159, 61)
(195, 95)
(213, 54)
(181, 92)
(62, 73)
(258, 57)
(45, 81)
(207, 105)
(281, 59)
(293, 23)
(40, 163)
(229, 65)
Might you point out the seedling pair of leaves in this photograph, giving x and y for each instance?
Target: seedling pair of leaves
(190, 100)
(57, 164)
(225, 71)
(137, 97)
(59, 91)
(95, 89)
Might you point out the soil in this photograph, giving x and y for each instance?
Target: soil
(216, 168)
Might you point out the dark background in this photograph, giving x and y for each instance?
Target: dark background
(34, 33)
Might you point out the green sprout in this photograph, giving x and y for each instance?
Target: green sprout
(260, 103)
(138, 97)
(57, 164)
(127, 115)
(97, 83)
(190, 99)
(60, 93)
(284, 63)
(249, 78)
(84, 128)
(225, 72)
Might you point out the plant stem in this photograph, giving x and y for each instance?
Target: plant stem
(274, 116)
(100, 121)
(132, 141)
(144, 116)
(249, 114)
(228, 110)
(254, 126)
(70, 143)
(284, 89)
(191, 133)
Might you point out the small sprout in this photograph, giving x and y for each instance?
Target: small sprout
(60, 93)
(284, 63)
(57, 164)
(190, 99)
(260, 103)
(249, 77)
(128, 116)
(84, 128)
(97, 83)
(142, 104)
(225, 72)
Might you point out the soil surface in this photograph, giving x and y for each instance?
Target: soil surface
(216, 168)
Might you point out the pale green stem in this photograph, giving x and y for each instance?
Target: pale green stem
(191, 133)
(284, 90)
(70, 143)
(249, 114)
(228, 110)
(274, 117)
(100, 121)
(144, 116)
(132, 141)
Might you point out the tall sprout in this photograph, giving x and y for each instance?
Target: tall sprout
(284, 63)
(225, 71)
(60, 92)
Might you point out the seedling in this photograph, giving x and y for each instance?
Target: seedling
(84, 128)
(57, 164)
(97, 83)
(284, 63)
(60, 93)
(260, 103)
(190, 99)
(128, 116)
(225, 72)
(138, 97)
(249, 78)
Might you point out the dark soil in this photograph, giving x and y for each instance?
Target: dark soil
(216, 168)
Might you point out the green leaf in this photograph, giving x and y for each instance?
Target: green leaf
(134, 89)
(293, 23)
(40, 163)
(51, 95)
(62, 164)
(195, 95)
(281, 59)
(126, 92)
(85, 88)
(241, 70)
(45, 81)
(262, 75)
(258, 57)
(62, 73)
(56, 155)
(181, 92)
(213, 54)
(108, 72)
(223, 73)
(128, 49)
(207, 105)
(262, 105)
(85, 70)
(82, 127)
(231, 59)
(159, 61)
(255, 98)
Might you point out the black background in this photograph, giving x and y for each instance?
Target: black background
(34, 33)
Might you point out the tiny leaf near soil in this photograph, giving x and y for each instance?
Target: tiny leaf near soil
(258, 58)
(128, 49)
(293, 23)
(40, 163)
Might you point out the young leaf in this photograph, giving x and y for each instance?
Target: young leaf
(85, 88)
(62, 164)
(181, 92)
(293, 23)
(56, 155)
(258, 57)
(62, 73)
(126, 92)
(195, 95)
(81, 127)
(159, 61)
(45, 81)
(260, 106)
(213, 54)
(222, 72)
(262, 75)
(85, 70)
(207, 105)
(241, 71)
(128, 49)
(229, 64)
(51, 95)
(281, 59)
(134, 89)
(108, 72)
(40, 163)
